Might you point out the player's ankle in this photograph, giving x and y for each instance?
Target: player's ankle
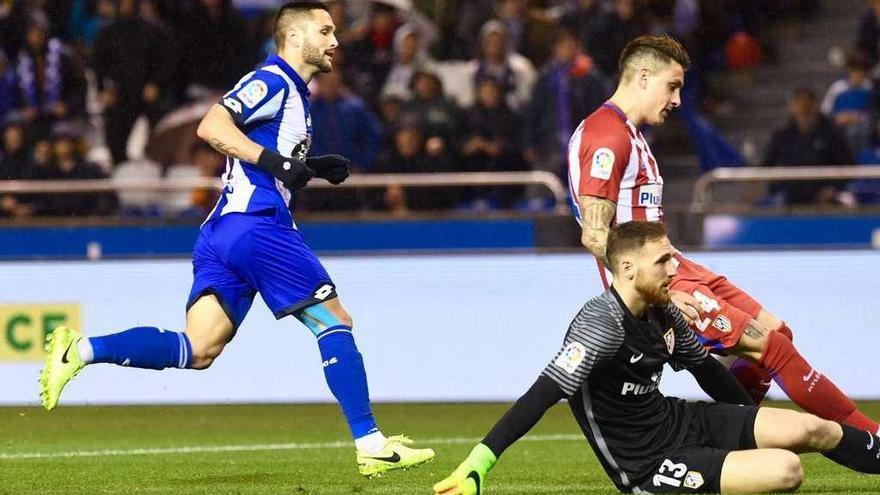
(371, 443)
(85, 350)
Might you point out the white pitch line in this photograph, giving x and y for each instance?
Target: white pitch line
(255, 448)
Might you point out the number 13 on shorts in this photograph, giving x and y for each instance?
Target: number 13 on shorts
(677, 475)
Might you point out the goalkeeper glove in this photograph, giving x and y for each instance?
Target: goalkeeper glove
(293, 173)
(469, 476)
(334, 168)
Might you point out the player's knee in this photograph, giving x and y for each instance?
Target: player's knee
(201, 363)
(822, 434)
(813, 432)
(324, 316)
(768, 320)
(204, 353)
(790, 472)
(343, 318)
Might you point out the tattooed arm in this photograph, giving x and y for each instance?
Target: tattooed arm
(219, 130)
(751, 343)
(597, 215)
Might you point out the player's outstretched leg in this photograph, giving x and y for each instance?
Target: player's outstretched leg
(808, 387)
(208, 329)
(802, 432)
(141, 347)
(347, 379)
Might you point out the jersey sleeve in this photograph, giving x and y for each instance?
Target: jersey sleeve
(688, 352)
(593, 338)
(257, 96)
(603, 158)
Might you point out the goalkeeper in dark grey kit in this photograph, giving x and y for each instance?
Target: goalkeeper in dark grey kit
(609, 369)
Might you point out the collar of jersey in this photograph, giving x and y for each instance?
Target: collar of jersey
(644, 324)
(616, 109)
(301, 85)
(626, 310)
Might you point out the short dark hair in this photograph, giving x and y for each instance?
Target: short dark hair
(663, 48)
(630, 236)
(293, 9)
(804, 92)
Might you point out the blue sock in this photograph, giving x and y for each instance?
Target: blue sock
(143, 347)
(344, 371)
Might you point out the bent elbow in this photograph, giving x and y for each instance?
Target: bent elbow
(203, 131)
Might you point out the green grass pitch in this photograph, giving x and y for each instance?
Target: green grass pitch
(299, 449)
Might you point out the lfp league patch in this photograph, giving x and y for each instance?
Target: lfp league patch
(253, 93)
(603, 164)
(571, 357)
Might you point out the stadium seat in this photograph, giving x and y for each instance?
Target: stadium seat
(176, 202)
(138, 202)
(100, 155)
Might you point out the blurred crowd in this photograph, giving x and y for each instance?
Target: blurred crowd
(89, 88)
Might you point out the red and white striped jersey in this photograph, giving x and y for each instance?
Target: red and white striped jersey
(609, 158)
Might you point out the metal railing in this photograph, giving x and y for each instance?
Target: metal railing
(461, 179)
(703, 199)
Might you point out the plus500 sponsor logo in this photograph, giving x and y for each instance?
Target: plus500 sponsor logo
(650, 196)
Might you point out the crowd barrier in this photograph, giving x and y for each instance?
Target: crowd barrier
(430, 327)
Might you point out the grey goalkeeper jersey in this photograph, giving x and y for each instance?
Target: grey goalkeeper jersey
(610, 366)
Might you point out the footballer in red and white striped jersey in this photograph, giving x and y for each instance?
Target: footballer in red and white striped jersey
(614, 178)
(608, 157)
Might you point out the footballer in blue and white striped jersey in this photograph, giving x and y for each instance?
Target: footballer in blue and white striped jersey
(271, 107)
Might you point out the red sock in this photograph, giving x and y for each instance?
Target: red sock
(752, 377)
(807, 387)
(784, 330)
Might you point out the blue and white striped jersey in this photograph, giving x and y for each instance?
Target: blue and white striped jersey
(270, 105)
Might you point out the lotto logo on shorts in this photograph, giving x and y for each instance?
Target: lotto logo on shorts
(324, 291)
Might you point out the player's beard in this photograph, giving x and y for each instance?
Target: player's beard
(313, 56)
(652, 293)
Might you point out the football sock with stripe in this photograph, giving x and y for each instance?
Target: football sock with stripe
(347, 379)
(809, 388)
(857, 450)
(752, 376)
(139, 347)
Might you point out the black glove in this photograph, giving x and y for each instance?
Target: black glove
(334, 168)
(293, 173)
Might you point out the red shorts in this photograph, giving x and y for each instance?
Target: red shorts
(725, 308)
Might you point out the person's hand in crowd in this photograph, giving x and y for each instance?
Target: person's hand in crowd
(494, 148)
(435, 145)
(474, 145)
(845, 119)
(108, 97)
(151, 93)
(59, 110)
(29, 114)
